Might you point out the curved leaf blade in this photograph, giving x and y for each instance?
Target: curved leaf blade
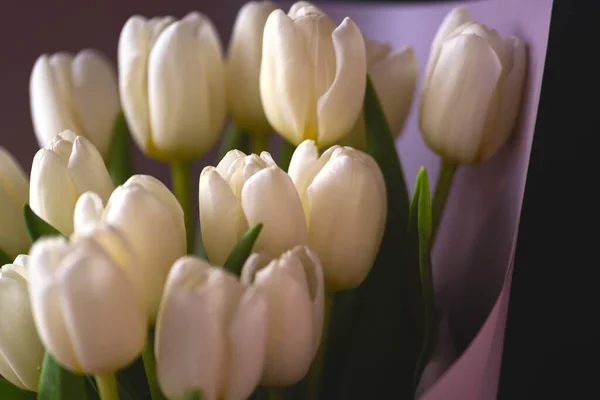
(242, 249)
(36, 226)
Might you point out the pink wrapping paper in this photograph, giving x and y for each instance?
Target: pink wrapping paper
(472, 260)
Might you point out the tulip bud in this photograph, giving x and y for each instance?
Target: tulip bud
(210, 334)
(243, 67)
(21, 352)
(241, 192)
(313, 75)
(394, 76)
(14, 192)
(344, 199)
(77, 93)
(172, 85)
(69, 166)
(151, 219)
(293, 287)
(86, 307)
(472, 90)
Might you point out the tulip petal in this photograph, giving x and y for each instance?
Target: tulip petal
(284, 74)
(339, 108)
(186, 88)
(100, 311)
(19, 342)
(290, 333)
(461, 97)
(135, 42)
(88, 212)
(302, 8)
(225, 166)
(345, 199)
(87, 170)
(96, 97)
(222, 221)
(247, 339)
(189, 340)
(270, 197)
(52, 195)
(13, 178)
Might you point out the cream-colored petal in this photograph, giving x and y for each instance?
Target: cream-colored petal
(222, 221)
(344, 230)
(284, 74)
(100, 311)
(89, 210)
(186, 89)
(243, 67)
(96, 97)
(339, 108)
(52, 194)
(302, 8)
(225, 166)
(13, 178)
(271, 198)
(461, 96)
(87, 170)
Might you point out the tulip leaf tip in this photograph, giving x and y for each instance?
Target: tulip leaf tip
(36, 226)
(242, 249)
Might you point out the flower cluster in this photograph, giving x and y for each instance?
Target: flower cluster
(103, 270)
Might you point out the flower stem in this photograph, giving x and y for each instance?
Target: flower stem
(315, 374)
(181, 175)
(259, 143)
(107, 386)
(442, 190)
(285, 155)
(275, 394)
(150, 367)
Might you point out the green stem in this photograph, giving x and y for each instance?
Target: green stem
(275, 394)
(285, 155)
(259, 143)
(315, 374)
(150, 367)
(107, 386)
(181, 174)
(442, 190)
(235, 138)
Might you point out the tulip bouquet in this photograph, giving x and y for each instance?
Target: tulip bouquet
(311, 277)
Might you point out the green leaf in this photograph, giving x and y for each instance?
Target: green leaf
(380, 330)
(8, 391)
(36, 226)
(420, 235)
(285, 155)
(234, 138)
(196, 395)
(120, 163)
(4, 258)
(242, 249)
(57, 383)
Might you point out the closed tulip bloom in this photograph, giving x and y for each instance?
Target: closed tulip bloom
(149, 216)
(77, 92)
(21, 352)
(394, 76)
(14, 193)
(294, 289)
(472, 90)
(344, 199)
(67, 167)
(313, 75)
(241, 192)
(210, 334)
(86, 307)
(243, 67)
(172, 85)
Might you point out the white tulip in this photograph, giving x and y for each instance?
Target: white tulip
(88, 312)
(294, 289)
(77, 92)
(21, 352)
(243, 67)
(151, 219)
(344, 198)
(211, 333)
(313, 75)
(172, 85)
(472, 90)
(394, 76)
(14, 193)
(69, 166)
(241, 192)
